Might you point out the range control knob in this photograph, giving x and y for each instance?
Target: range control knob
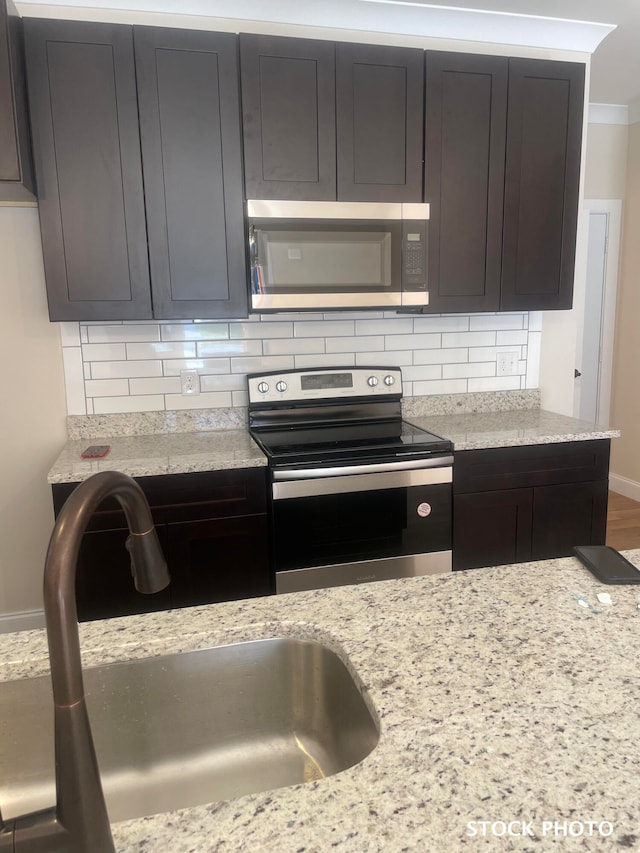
(389, 380)
(263, 387)
(372, 381)
(281, 385)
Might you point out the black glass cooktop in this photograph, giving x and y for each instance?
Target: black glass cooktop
(374, 441)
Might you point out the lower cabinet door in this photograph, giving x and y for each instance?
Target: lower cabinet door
(491, 528)
(218, 560)
(568, 515)
(104, 584)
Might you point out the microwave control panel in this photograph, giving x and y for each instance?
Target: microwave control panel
(414, 247)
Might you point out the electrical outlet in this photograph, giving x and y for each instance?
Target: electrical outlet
(507, 363)
(189, 382)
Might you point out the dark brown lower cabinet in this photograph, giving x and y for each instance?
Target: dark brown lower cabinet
(516, 504)
(212, 528)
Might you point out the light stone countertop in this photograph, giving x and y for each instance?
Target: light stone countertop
(474, 431)
(172, 453)
(499, 697)
(181, 452)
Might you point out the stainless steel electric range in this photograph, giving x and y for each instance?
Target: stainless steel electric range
(357, 493)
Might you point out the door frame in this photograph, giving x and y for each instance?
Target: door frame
(612, 208)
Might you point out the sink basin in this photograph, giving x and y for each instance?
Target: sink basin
(192, 728)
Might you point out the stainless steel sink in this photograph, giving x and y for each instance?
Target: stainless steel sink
(186, 729)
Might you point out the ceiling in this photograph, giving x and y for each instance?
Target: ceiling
(615, 66)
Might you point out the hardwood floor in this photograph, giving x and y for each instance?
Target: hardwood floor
(623, 522)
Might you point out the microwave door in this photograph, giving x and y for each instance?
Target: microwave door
(298, 265)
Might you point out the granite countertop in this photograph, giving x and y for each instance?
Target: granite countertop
(500, 698)
(477, 430)
(181, 452)
(171, 453)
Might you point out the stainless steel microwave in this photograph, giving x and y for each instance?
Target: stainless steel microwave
(315, 255)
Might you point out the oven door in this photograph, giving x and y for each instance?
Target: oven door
(334, 528)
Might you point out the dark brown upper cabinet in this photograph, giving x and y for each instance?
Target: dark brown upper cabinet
(466, 120)
(95, 203)
(192, 165)
(544, 134)
(323, 121)
(289, 121)
(16, 171)
(503, 140)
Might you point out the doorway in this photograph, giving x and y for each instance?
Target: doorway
(596, 363)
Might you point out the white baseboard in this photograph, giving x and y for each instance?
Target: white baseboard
(21, 621)
(623, 486)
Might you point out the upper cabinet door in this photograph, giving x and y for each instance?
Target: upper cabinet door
(379, 114)
(192, 162)
(544, 132)
(16, 172)
(466, 103)
(288, 105)
(82, 93)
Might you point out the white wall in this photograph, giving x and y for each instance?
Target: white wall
(33, 411)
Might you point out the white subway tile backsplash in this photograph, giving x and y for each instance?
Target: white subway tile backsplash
(440, 386)
(413, 342)
(125, 369)
(421, 372)
(213, 349)
(451, 323)
(325, 329)
(257, 365)
(483, 322)
(388, 358)
(258, 330)
(368, 342)
(497, 383)
(104, 352)
(440, 356)
(107, 387)
(163, 385)
(115, 405)
(214, 400)
(119, 334)
(161, 349)
(292, 346)
(468, 339)
(468, 370)
(403, 326)
(194, 331)
(135, 366)
(172, 367)
(333, 359)
(510, 338)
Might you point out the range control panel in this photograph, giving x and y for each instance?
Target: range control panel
(332, 383)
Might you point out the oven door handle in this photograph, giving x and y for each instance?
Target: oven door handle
(392, 478)
(369, 468)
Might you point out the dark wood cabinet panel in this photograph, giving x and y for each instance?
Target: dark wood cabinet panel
(541, 183)
(212, 527)
(568, 515)
(87, 158)
(466, 99)
(191, 152)
(492, 528)
(534, 502)
(16, 170)
(379, 122)
(288, 105)
(219, 560)
(104, 586)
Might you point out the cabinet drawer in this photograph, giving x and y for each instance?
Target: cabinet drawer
(532, 465)
(185, 497)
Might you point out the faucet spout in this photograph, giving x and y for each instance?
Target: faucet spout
(80, 823)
